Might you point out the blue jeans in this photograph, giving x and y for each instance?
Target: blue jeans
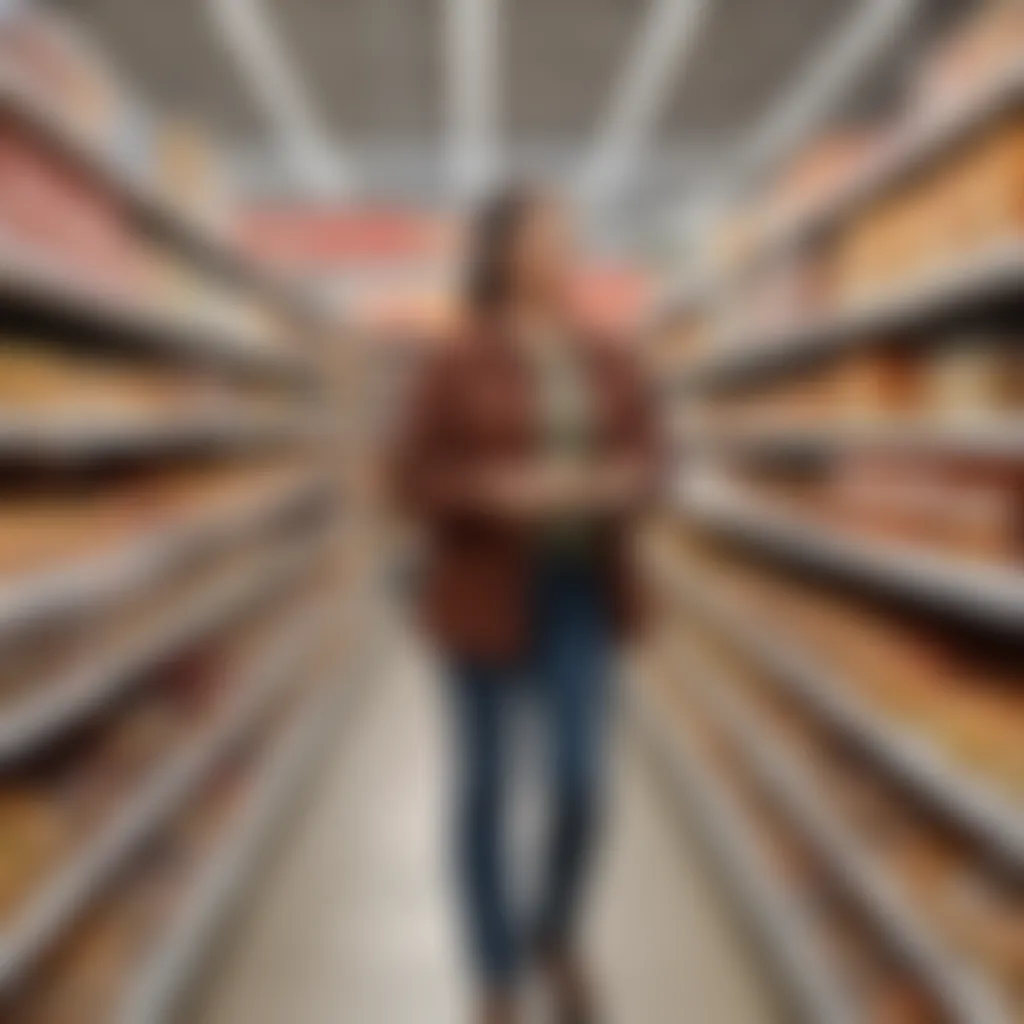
(565, 678)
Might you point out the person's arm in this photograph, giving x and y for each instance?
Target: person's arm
(426, 479)
(631, 473)
(430, 479)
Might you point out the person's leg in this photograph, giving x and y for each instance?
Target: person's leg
(574, 662)
(483, 711)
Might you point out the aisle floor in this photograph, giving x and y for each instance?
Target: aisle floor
(350, 923)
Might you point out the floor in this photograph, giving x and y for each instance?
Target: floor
(351, 924)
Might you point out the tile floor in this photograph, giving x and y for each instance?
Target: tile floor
(350, 922)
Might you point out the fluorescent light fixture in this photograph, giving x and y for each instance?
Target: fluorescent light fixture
(659, 54)
(815, 93)
(472, 34)
(256, 48)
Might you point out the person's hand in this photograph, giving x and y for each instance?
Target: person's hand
(516, 491)
(618, 484)
(537, 490)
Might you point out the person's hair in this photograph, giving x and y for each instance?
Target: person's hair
(493, 232)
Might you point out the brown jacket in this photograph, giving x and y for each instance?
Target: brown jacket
(474, 407)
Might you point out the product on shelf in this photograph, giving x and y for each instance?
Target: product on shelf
(975, 377)
(982, 51)
(56, 64)
(850, 954)
(818, 173)
(880, 290)
(33, 837)
(41, 532)
(962, 203)
(49, 387)
(189, 172)
(53, 212)
(153, 598)
(958, 895)
(964, 697)
(106, 951)
(877, 384)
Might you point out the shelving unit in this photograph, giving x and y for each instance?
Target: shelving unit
(62, 899)
(986, 282)
(926, 143)
(68, 438)
(152, 209)
(913, 761)
(27, 283)
(133, 564)
(84, 689)
(995, 596)
(996, 438)
(168, 565)
(844, 526)
(965, 995)
(154, 994)
(786, 934)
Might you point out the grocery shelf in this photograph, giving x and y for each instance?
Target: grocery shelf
(67, 436)
(924, 768)
(50, 913)
(156, 990)
(917, 146)
(996, 437)
(145, 558)
(144, 201)
(991, 278)
(966, 995)
(988, 595)
(56, 705)
(787, 934)
(29, 282)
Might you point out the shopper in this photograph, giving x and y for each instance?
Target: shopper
(529, 447)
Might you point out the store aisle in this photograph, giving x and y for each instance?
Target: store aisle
(351, 924)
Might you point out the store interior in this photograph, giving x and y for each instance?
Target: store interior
(231, 237)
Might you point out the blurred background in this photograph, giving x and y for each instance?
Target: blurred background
(230, 230)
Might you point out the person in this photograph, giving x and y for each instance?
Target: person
(529, 447)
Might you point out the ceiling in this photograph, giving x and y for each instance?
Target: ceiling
(375, 71)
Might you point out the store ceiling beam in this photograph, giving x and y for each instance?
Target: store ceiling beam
(472, 34)
(824, 84)
(250, 38)
(658, 56)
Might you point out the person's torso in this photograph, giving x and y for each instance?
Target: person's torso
(504, 407)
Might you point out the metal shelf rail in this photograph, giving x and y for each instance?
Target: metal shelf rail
(58, 704)
(991, 596)
(785, 932)
(48, 915)
(141, 560)
(965, 994)
(161, 984)
(969, 802)
(993, 277)
(995, 438)
(143, 201)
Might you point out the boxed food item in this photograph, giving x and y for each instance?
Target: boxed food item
(33, 835)
(53, 212)
(878, 384)
(974, 377)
